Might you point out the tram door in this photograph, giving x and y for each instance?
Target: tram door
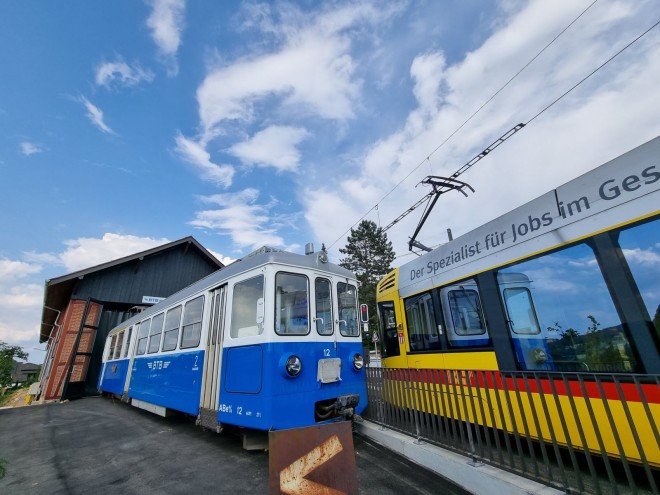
(213, 361)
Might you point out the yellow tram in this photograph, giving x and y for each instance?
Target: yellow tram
(544, 321)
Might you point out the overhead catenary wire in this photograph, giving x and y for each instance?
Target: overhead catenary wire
(464, 123)
(516, 128)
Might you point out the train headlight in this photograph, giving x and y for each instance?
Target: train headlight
(293, 365)
(358, 361)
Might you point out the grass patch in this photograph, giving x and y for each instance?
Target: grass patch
(9, 395)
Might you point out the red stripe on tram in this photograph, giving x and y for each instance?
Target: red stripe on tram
(494, 380)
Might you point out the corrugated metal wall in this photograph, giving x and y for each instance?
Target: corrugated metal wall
(159, 275)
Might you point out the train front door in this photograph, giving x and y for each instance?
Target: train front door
(208, 411)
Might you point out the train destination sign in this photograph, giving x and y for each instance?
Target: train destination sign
(633, 175)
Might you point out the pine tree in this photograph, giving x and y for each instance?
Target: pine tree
(369, 254)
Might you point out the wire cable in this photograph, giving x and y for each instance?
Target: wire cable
(465, 122)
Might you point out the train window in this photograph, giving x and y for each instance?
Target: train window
(466, 325)
(291, 304)
(246, 307)
(111, 350)
(388, 328)
(323, 296)
(580, 329)
(466, 314)
(192, 323)
(641, 249)
(155, 333)
(519, 308)
(423, 331)
(171, 330)
(120, 342)
(142, 337)
(348, 317)
(127, 345)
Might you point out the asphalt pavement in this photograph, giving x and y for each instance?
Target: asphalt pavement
(100, 445)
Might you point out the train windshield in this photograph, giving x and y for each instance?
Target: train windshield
(323, 317)
(348, 321)
(291, 304)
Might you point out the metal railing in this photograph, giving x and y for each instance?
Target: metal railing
(579, 432)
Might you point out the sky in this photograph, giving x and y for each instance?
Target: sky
(125, 125)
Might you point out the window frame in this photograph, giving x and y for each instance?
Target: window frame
(307, 304)
(169, 330)
(155, 333)
(143, 336)
(316, 307)
(192, 323)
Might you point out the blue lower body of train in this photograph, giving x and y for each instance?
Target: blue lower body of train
(255, 390)
(113, 376)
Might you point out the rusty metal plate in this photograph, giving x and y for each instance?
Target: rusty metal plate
(312, 461)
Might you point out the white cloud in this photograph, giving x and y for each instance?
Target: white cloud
(28, 148)
(11, 270)
(238, 215)
(166, 23)
(86, 252)
(20, 300)
(275, 147)
(119, 73)
(95, 114)
(645, 257)
(195, 154)
(21, 282)
(312, 71)
(610, 114)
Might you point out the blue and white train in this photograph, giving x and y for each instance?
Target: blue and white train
(272, 341)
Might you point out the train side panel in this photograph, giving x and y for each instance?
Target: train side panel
(168, 380)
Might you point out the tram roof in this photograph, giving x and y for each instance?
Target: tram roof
(262, 256)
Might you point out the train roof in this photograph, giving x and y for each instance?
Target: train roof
(262, 256)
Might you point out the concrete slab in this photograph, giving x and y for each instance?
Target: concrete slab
(483, 479)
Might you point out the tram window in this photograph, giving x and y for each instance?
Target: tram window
(348, 317)
(580, 329)
(120, 341)
(466, 313)
(641, 249)
(247, 299)
(423, 334)
(171, 330)
(143, 336)
(127, 345)
(111, 351)
(323, 296)
(519, 308)
(191, 332)
(388, 328)
(155, 333)
(291, 304)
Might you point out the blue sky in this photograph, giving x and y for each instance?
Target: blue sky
(128, 124)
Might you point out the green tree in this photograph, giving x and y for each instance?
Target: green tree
(369, 255)
(7, 355)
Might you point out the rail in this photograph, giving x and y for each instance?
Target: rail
(579, 432)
